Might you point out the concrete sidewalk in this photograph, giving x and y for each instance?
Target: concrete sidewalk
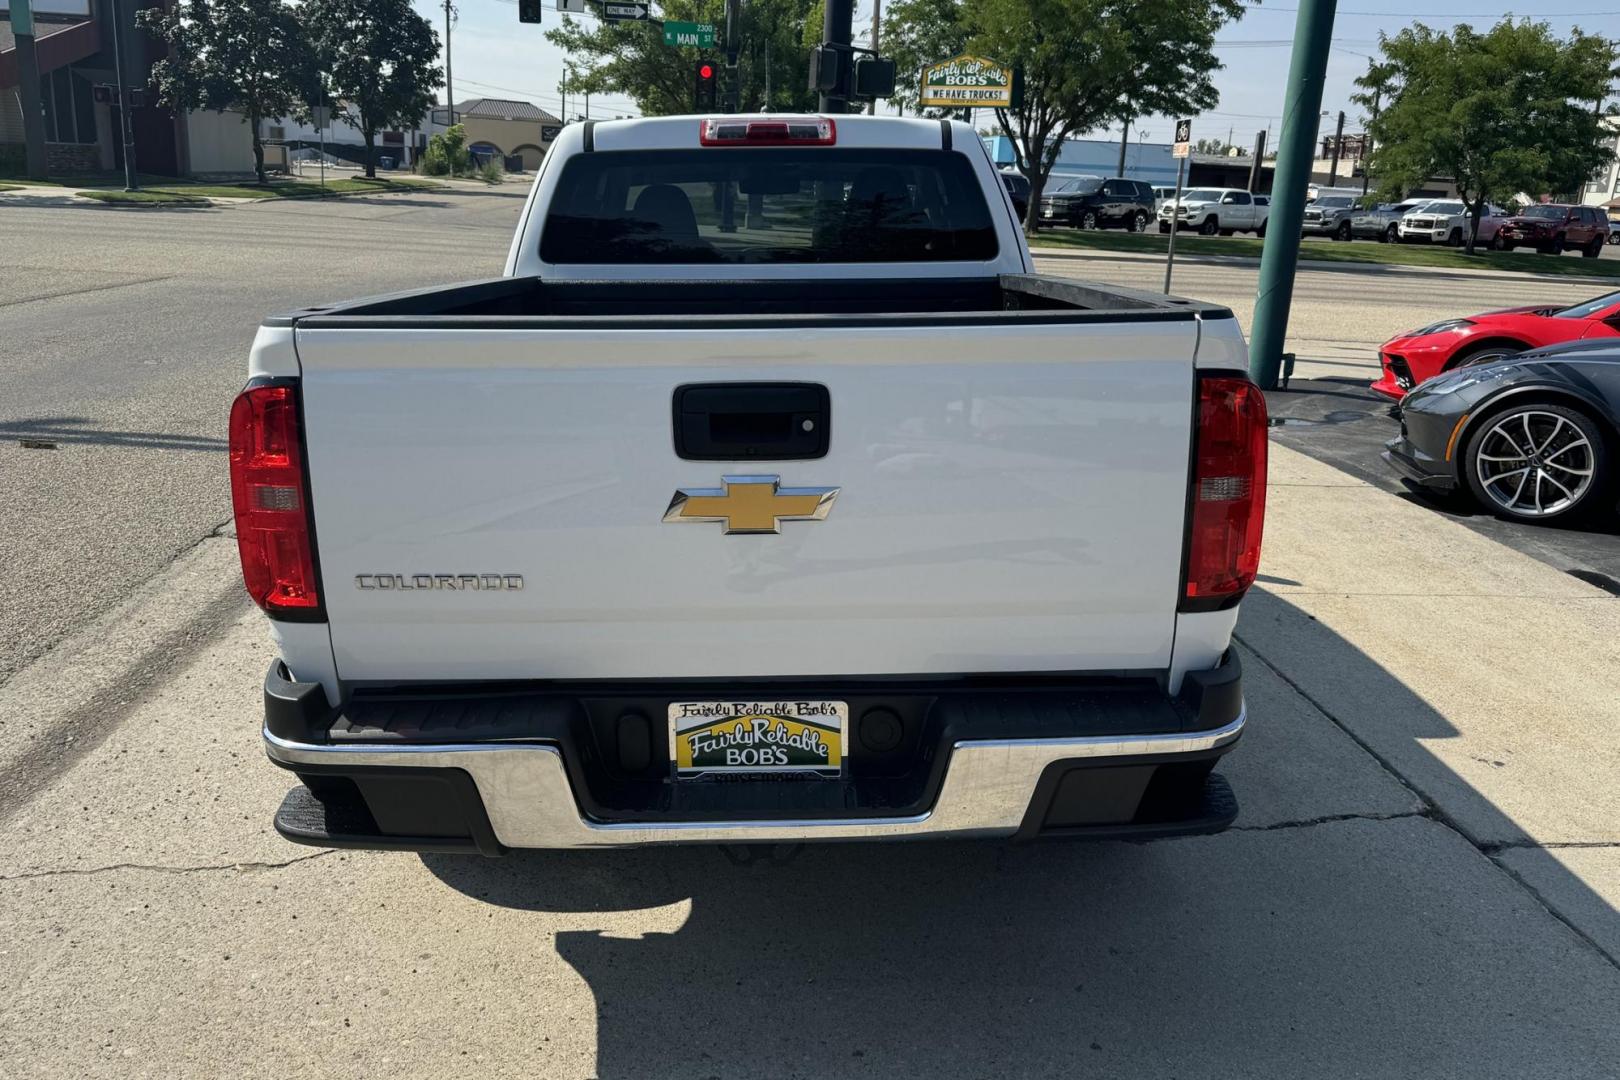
(1422, 881)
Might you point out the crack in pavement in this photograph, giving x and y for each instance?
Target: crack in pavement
(243, 867)
(1433, 811)
(1306, 823)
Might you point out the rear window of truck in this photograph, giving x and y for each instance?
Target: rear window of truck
(767, 205)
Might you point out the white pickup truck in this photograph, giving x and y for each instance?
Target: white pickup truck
(768, 496)
(1216, 210)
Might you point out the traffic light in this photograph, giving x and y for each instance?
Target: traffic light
(704, 86)
(529, 10)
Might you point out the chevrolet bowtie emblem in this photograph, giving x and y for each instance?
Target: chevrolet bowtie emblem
(751, 504)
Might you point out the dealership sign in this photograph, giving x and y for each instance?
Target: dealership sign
(964, 82)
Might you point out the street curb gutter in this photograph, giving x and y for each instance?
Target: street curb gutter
(66, 702)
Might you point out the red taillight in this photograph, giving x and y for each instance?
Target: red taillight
(271, 500)
(1228, 493)
(770, 131)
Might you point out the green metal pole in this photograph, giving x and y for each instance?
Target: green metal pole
(1302, 107)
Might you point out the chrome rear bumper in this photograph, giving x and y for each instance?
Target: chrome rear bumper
(987, 789)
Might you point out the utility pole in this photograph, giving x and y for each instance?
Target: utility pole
(1259, 157)
(1124, 137)
(877, 20)
(35, 164)
(449, 77)
(1366, 145)
(1338, 144)
(562, 88)
(1307, 70)
(124, 121)
(837, 29)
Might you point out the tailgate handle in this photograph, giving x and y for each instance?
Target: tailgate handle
(751, 421)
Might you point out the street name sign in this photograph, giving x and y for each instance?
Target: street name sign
(964, 82)
(697, 35)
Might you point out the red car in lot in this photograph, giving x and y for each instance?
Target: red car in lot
(1408, 359)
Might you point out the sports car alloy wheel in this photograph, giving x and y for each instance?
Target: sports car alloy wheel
(1534, 463)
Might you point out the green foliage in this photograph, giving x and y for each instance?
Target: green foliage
(631, 58)
(491, 172)
(1501, 112)
(917, 33)
(1086, 63)
(446, 153)
(380, 55)
(249, 56)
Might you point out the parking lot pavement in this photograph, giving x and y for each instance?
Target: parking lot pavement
(1386, 904)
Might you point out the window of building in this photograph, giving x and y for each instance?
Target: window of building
(70, 115)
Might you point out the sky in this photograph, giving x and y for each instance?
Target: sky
(493, 55)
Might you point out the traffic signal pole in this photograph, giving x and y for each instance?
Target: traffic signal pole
(1279, 260)
(837, 28)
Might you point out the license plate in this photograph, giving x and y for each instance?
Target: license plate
(762, 737)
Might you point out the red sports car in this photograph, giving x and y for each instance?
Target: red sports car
(1408, 359)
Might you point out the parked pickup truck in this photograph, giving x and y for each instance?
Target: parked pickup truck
(768, 496)
(1216, 210)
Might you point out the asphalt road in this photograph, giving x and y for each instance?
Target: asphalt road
(1422, 880)
(123, 337)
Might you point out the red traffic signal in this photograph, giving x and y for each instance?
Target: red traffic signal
(703, 87)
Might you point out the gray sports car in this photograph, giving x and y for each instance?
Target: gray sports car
(1532, 437)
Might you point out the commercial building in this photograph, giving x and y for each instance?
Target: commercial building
(503, 129)
(74, 50)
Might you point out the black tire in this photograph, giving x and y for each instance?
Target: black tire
(1139, 221)
(1391, 235)
(1342, 233)
(1594, 249)
(1592, 500)
(1163, 228)
(1261, 231)
(1497, 243)
(1088, 219)
(1228, 232)
(1482, 354)
(1456, 238)
(1508, 245)
(1557, 246)
(1210, 227)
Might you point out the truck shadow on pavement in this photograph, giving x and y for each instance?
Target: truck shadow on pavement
(1330, 933)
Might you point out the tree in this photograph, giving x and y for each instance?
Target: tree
(248, 56)
(1212, 146)
(1087, 64)
(378, 55)
(631, 58)
(917, 33)
(1502, 112)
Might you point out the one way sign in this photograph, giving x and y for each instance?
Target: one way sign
(621, 12)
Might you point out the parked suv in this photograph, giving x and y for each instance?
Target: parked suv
(1217, 210)
(1090, 202)
(1554, 228)
(1329, 215)
(1017, 185)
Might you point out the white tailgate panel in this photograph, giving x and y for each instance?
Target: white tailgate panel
(1012, 500)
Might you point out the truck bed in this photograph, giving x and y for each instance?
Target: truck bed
(529, 302)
